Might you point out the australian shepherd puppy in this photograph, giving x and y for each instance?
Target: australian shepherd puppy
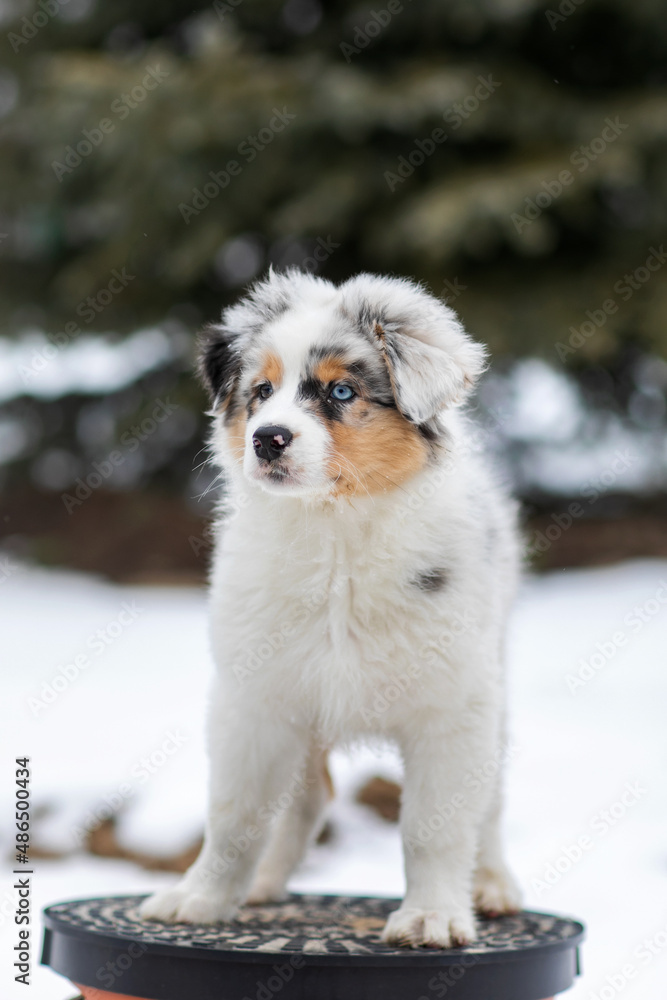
(360, 588)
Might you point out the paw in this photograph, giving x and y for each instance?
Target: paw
(411, 927)
(183, 905)
(495, 892)
(265, 891)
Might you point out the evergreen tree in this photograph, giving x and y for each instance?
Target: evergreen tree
(512, 154)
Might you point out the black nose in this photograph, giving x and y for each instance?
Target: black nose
(270, 442)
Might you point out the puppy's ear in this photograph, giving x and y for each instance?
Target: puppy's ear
(222, 345)
(219, 363)
(427, 378)
(431, 361)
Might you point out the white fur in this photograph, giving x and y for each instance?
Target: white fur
(321, 636)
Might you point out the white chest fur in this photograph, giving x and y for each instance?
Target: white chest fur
(338, 610)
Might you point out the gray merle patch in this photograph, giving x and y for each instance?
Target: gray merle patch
(431, 580)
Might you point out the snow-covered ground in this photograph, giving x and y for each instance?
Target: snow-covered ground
(105, 686)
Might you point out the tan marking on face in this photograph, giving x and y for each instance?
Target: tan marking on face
(375, 449)
(330, 369)
(272, 369)
(237, 431)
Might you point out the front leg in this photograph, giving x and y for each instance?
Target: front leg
(257, 763)
(440, 819)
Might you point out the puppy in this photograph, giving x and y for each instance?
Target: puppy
(360, 589)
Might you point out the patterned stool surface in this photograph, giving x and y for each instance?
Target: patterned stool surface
(333, 926)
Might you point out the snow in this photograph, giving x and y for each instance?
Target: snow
(551, 439)
(536, 419)
(127, 669)
(83, 362)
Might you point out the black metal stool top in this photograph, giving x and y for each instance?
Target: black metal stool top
(529, 956)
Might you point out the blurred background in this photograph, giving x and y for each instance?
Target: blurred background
(537, 212)
(154, 159)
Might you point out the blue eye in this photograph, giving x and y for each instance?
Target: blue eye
(342, 392)
(265, 390)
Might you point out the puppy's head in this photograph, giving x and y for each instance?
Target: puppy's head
(329, 391)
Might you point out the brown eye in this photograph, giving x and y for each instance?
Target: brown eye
(265, 390)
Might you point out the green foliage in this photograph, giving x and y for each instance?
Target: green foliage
(154, 157)
(367, 90)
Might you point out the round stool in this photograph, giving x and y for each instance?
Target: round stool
(306, 948)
